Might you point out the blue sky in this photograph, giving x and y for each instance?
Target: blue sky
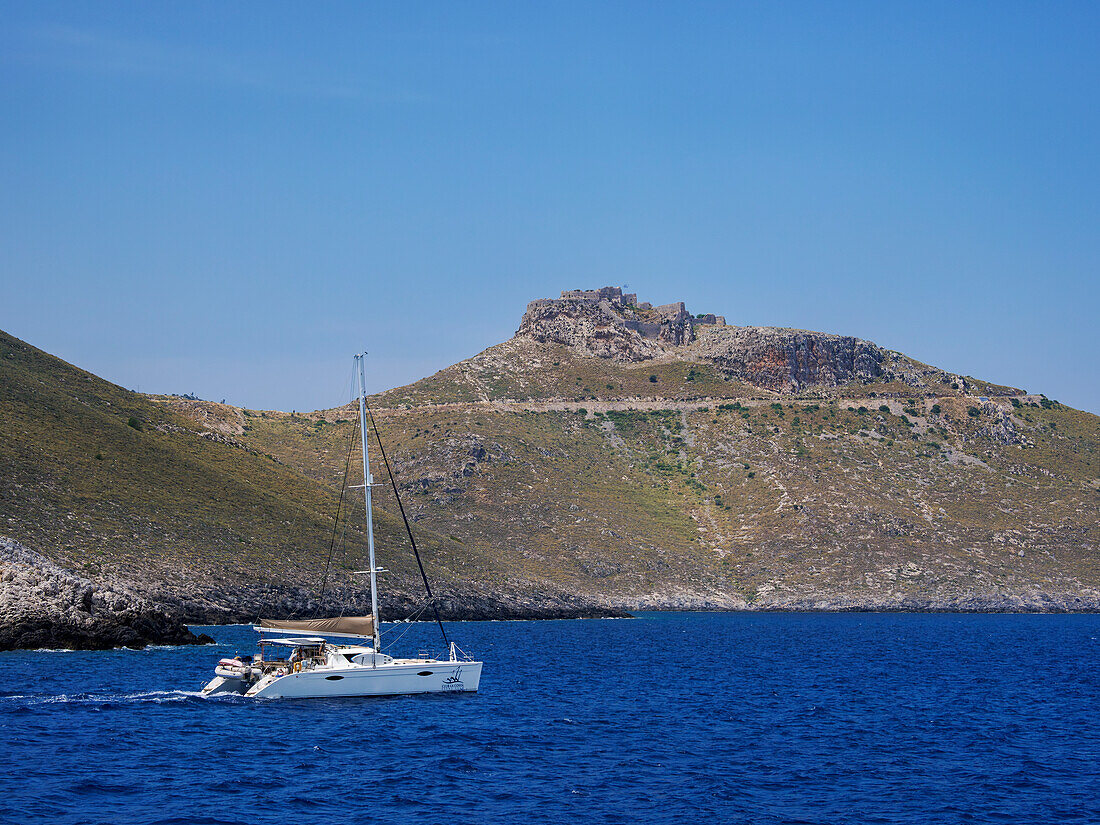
(230, 199)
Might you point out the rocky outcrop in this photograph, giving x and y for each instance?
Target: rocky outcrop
(221, 418)
(45, 606)
(589, 327)
(790, 359)
(1001, 428)
(605, 324)
(602, 323)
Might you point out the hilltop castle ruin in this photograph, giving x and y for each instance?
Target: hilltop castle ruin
(610, 322)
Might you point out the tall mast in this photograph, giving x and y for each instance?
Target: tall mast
(367, 481)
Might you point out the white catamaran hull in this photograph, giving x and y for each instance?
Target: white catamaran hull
(384, 680)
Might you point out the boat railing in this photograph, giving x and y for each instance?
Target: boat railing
(460, 654)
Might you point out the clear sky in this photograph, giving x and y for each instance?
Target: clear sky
(232, 198)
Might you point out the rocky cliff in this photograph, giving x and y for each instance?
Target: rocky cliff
(45, 606)
(792, 360)
(606, 327)
(599, 323)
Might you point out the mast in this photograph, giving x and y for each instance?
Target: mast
(367, 482)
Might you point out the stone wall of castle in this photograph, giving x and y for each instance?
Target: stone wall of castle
(611, 294)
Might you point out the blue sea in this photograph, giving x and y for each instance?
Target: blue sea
(669, 717)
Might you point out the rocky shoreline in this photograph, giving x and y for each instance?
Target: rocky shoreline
(44, 606)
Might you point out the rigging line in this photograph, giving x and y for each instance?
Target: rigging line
(344, 557)
(411, 622)
(405, 518)
(391, 644)
(412, 617)
(349, 393)
(336, 522)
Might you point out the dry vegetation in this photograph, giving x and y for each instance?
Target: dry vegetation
(540, 479)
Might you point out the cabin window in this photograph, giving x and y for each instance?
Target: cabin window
(424, 673)
(333, 678)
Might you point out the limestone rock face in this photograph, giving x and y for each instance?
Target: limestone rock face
(606, 324)
(1002, 426)
(45, 606)
(789, 359)
(589, 327)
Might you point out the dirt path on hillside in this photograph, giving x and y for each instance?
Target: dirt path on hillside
(648, 404)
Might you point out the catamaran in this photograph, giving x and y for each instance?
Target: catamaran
(297, 658)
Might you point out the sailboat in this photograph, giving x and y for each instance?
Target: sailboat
(298, 658)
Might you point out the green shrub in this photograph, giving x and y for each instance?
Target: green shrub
(133, 422)
(883, 408)
(973, 412)
(935, 409)
(653, 379)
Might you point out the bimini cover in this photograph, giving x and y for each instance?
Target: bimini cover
(342, 625)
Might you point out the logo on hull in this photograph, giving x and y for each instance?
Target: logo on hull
(454, 681)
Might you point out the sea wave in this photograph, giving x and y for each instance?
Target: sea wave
(152, 696)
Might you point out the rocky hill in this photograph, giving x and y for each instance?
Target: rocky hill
(132, 498)
(611, 456)
(694, 463)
